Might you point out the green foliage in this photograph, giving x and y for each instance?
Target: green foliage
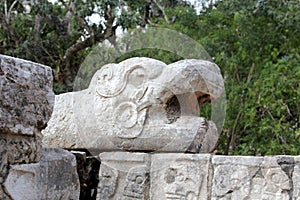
(256, 44)
(158, 54)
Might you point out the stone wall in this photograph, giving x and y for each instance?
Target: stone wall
(125, 175)
(26, 102)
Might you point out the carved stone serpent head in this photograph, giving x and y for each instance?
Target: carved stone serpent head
(143, 104)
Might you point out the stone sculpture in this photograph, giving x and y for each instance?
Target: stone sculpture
(139, 104)
(184, 177)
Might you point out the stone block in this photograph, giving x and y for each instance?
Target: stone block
(250, 177)
(139, 104)
(16, 149)
(180, 176)
(296, 179)
(54, 177)
(26, 103)
(26, 97)
(124, 176)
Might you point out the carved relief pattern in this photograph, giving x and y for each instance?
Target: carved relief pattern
(107, 76)
(231, 181)
(135, 184)
(129, 120)
(242, 182)
(129, 116)
(108, 180)
(123, 176)
(181, 182)
(273, 184)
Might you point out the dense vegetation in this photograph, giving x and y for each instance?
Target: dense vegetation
(256, 43)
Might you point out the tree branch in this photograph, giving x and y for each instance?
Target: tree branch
(68, 15)
(78, 19)
(37, 27)
(163, 11)
(87, 42)
(8, 29)
(9, 11)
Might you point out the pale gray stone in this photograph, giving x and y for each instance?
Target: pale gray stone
(252, 177)
(54, 177)
(139, 104)
(296, 179)
(26, 97)
(15, 149)
(124, 176)
(26, 103)
(180, 176)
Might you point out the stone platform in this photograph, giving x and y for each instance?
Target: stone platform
(169, 176)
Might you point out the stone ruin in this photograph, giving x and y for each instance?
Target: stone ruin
(135, 133)
(28, 171)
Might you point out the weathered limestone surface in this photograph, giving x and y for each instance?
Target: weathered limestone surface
(16, 149)
(53, 177)
(26, 103)
(254, 177)
(139, 104)
(296, 179)
(179, 176)
(124, 176)
(26, 97)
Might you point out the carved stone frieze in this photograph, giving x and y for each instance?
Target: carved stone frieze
(124, 176)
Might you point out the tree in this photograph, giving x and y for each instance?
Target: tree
(256, 43)
(61, 34)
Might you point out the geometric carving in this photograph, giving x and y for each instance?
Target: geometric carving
(185, 177)
(136, 181)
(123, 176)
(252, 178)
(108, 179)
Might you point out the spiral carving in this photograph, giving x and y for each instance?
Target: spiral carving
(107, 78)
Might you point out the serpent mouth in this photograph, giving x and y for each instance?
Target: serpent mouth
(173, 109)
(187, 104)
